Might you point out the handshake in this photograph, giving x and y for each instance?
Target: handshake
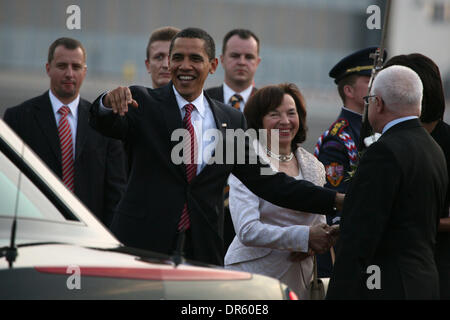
(321, 238)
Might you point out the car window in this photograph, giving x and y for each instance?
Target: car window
(17, 191)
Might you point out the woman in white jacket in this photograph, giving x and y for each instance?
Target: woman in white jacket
(271, 240)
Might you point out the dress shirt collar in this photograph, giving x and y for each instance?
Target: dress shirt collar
(57, 104)
(199, 102)
(396, 121)
(228, 93)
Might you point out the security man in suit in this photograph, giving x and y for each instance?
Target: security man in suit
(240, 60)
(55, 125)
(337, 147)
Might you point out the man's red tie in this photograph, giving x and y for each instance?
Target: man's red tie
(65, 138)
(190, 157)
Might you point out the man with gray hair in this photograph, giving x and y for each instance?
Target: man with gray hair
(392, 207)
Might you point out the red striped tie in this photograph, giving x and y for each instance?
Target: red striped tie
(189, 157)
(65, 138)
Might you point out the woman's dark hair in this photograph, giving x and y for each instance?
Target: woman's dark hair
(268, 99)
(433, 102)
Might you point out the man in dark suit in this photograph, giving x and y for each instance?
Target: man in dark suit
(168, 199)
(431, 117)
(90, 165)
(240, 60)
(390, 216)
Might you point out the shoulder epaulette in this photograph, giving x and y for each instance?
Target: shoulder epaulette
(336, 129)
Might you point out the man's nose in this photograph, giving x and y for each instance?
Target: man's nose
(69, 71)
(185, 64)
(165, 63)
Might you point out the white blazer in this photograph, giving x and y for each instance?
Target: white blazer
(265, 233)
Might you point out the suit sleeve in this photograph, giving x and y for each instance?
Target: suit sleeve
(365, 216)
(251, 231)
(115, 178)
(10, 119)
(108, 123)
(279, 188)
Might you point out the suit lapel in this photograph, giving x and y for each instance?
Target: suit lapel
(221, 94)
(82, 128)
(172, 115)
(47, 122)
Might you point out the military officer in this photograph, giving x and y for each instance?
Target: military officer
(337, 147)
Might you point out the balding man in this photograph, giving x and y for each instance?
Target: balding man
(391, 212)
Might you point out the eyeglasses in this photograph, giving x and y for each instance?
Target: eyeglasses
(366, 98)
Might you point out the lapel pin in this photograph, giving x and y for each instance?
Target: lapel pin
(224, 125)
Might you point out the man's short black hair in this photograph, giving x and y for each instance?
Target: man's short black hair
(243, 34)
(197, 33)
(67, 43)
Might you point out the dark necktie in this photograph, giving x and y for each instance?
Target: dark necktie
(65, 138)
(189, 157)
(235, 101)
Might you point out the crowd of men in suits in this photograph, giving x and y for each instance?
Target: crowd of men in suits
(116, 156)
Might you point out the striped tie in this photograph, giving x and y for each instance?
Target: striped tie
(189, 157)
(65, 138)
(235, 101)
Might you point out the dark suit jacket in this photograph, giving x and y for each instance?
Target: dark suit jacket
(216, 93)
(390, 218)
(157, 189)
(99, 161)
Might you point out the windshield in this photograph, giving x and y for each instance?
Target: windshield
(17, 192)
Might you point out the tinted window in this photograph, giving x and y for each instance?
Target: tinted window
(17, 192)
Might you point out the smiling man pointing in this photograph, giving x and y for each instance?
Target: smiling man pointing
(165, 200)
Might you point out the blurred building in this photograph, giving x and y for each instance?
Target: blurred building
(422, 26)
(301, 39)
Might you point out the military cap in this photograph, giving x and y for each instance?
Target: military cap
(358, 62)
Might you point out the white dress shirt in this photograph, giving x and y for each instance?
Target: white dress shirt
(228, 93)
(72, 117)
(202, 119)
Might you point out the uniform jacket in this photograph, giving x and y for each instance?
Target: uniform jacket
(99, 161)
(390, 218)
(157, 189)
(337, 149)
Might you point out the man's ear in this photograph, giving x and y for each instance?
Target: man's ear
(147, 65)
(380, 107)
(348, 91)
(47, 67)
(214, 64)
